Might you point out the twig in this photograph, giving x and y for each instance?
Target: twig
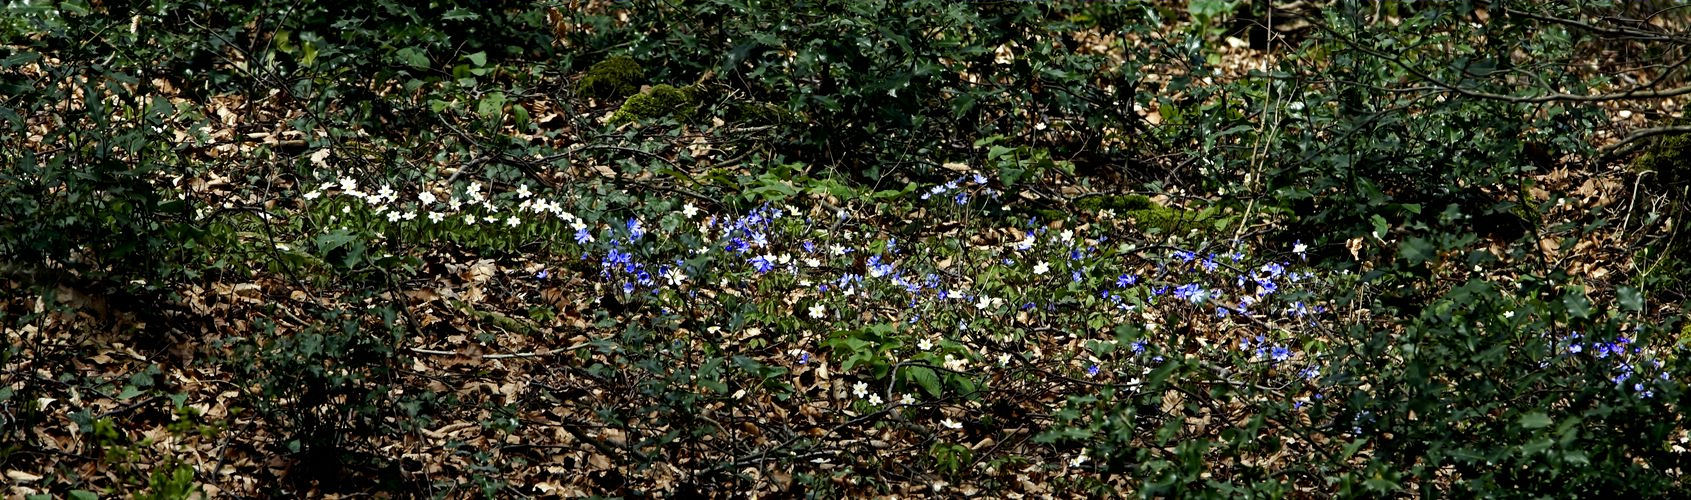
(518, 355)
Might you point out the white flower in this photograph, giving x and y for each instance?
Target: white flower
(860, 389)
(1068, 235)
(513, 221)
(523, 192)
(984, 303)
(1079, 458)
(951, 424)
(1299, 248)
(836, 249)
(436, 217)
(410, 214)
(675, 276)
(925, 344)
(1508, 314)
(689, 210)
(454, 203)
(349, 184)
(1041, 267)
(1004, 359)
(313, 195)
(812, 262)
(955, 364)
(394, 216)
(818, 312)
(427, 198)
(908, 399)
(470, 219)
(875, 399)
(385, 193)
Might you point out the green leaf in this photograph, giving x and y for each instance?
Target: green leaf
(129, 391)
(925, 377)
(491, 105)
(1536, 420)
(1578, 305)
(479, 58)
(459, 14)
(413, 56)
(18, 59)
(1380, 226)
(1630, 299)
(1416, 250)
(84, 495)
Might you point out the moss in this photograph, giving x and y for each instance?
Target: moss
(1670, 158)
(658, 102)
(761, 113)
(611, 79)
(1118, 203)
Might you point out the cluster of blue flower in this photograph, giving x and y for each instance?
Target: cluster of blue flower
(1627, 356)
(820, 265)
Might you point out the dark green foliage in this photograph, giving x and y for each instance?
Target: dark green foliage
(611, 79)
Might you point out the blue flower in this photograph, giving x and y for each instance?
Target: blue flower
(582, 236)
(980, 179)
(1280, 353)
(762, 265)
(1190, 292)
(1126, 280)
(635, 230)
(627, 288)
(1138, 346)
(541, 275)
(1092, 371)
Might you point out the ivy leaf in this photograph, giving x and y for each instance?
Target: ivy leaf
(1630, 299)
(1416, 250)
(413, 56)
(1535, 420)
(1578, 305)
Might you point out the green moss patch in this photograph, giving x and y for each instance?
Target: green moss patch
(658, 102)
(611, 79)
